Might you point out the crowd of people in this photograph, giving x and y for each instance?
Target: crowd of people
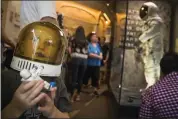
(87, 57)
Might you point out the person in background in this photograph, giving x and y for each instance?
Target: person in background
(20, 99)
(99, 41)
(32, 11)
(94, 62)
(6, 53)
(105, 51)
(78, 50)
(160, 101)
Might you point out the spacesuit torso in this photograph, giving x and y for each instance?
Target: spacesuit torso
(152, 43)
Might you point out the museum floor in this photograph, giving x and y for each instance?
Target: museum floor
(104, 107)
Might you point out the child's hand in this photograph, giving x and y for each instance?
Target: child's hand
(27, 95)
(46, 105)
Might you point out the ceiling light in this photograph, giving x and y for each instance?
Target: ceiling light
(107, 4)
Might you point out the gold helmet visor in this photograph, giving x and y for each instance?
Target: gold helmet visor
(41, 42)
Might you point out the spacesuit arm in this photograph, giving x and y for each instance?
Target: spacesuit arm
(151, 32)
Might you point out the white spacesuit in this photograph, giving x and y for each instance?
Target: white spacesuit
(151, 42)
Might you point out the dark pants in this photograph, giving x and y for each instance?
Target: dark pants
(92, 72)
(78, 70)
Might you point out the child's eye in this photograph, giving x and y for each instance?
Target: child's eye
(49, 43)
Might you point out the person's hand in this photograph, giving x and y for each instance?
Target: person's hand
(46, 105)
(100, 56)
(52, 93)
(104, 61)
(27, 95)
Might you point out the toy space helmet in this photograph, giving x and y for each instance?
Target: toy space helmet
(40, 44)
(148, 9)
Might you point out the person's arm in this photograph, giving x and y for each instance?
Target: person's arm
(9, 111)
(6, 39)
(92, 55)
(27, 95)
(101, 53)
(58, 114)
(69, 50)
(146, 106)
(70, 47)
(47, 11)
(151, 32)
(62, 105)
(107, 57)
(101, 56)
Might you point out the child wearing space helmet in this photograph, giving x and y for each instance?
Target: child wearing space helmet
(40, 44)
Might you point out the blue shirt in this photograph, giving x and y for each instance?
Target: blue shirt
(95, 50)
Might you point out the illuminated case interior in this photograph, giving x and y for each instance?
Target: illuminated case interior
(127, 72)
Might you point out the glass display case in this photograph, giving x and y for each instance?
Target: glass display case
(129, 68)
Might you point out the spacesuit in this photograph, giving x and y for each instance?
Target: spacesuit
(151, 42)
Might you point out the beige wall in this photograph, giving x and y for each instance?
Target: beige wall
(77, 14)
(74, 15)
